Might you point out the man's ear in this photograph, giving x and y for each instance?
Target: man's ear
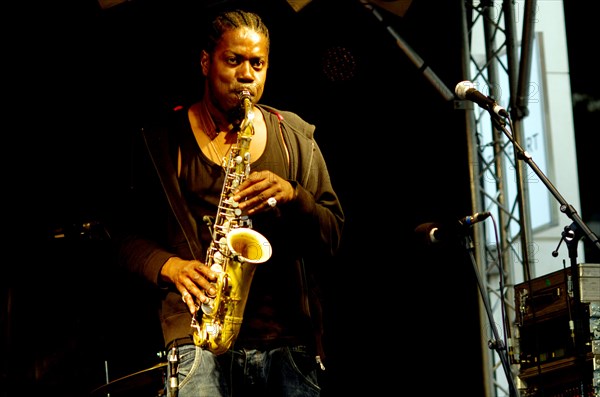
(204, 61)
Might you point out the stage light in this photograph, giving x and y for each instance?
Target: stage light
(397, 7)
(105, 4)
(297, 5)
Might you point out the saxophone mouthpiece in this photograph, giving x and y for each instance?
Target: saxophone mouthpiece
(245, 95)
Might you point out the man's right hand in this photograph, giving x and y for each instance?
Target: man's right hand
(193, 280)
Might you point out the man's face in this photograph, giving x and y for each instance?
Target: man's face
(239, 62)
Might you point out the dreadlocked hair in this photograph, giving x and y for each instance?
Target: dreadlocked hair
(231, 20)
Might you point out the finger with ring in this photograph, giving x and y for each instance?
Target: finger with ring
(184, 296)
(272, 201)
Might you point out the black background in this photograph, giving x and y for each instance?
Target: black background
(400, 313)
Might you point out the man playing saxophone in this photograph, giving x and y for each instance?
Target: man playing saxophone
(287, 197)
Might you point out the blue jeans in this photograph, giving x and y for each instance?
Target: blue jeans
(279, 372)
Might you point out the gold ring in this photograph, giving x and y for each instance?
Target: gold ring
(184, 296)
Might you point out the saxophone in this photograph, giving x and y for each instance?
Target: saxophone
(234, 251)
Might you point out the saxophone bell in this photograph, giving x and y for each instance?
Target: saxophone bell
(248, 245)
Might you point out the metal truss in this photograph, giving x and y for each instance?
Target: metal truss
(491, 56)
(494, 61)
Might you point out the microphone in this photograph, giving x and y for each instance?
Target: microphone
(433, 233)
(475, 218)
(466, 90)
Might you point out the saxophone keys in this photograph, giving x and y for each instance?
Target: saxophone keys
(206, 308)
(222, 244)
(213, 329)
(216, 267)
(217, 259)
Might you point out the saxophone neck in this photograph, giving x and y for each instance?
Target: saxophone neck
(248, 108)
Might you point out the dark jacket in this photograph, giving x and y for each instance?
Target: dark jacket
(164, 225)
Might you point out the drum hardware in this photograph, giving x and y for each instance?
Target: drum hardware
(153, 377)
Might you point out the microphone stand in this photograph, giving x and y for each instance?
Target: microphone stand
(496, 344)
(565, 207)
(571, 234)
